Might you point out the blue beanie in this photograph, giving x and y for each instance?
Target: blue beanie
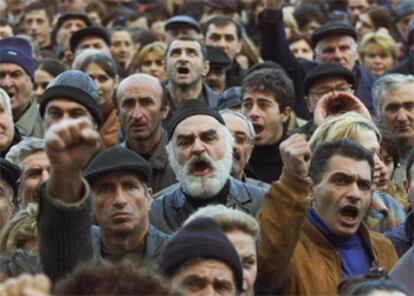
(18, 51)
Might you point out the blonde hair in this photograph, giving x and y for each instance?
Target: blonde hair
(6, 101)
(290, 22)
(229, 220)
(157, 48)
(384, 41)
(348, 125)
(21, 227)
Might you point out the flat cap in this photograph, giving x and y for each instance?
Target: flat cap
(118, 159)
(217, 57)
(332, 27)
(185, 20)
(77, 37)
(322, 71)
(10, 173)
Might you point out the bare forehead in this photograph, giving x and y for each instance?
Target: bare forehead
(400, 93)
(235, 123)
(142, 85)
(349, 166)
(184, 44)
(197, 124)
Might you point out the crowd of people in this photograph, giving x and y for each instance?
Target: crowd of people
(206, 147)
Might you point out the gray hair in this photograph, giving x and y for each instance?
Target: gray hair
(229, 219)
(384, 85)
(354, 46)
(249, 124)
(23, 149)
(6, 100)
(81, 55)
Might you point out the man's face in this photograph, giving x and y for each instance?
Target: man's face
(356, 7)
(121, 46)
(37, 25)
(70, 26)
(18, 85)
(243, 144)
(140, 111)
(224, 37)
(6, 204)
(35, 170)
(94, 42)
(179, 30)
(397, 111)
(337, 49)
(201, 155)
(59, 109)
(325, 86)
(301, 49)
(206, 277)
(5, 31)
(264, 112)
(216, 79)
(16, 6)
(402, 25)
(185, 63)
(73, 5)
(121, 203)
(342, 197)
(6, 127)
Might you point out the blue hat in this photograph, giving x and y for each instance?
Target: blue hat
(185, 20)
(18, 51)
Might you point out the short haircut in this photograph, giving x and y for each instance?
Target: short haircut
(344, 147)
(189, 38)
(348, 125)
(381, 40)
(52, 66)
(158, 48)
(410, 163)
(383, 85)
(104, 61)
(229, 220)
(271, 81)
(250, 129)
(389, 142)
(220, 20)
(4, 97)
(39, 6)
(24, 148)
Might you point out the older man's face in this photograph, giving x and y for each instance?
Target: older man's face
(337, 49)
(70, 26)
(6, 127)
(201, 155)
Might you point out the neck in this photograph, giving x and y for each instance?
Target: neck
(106, 109)
(17, 113)
(180, 93)
(119, 243)
(45, 43)
(145, 146)
(238, 175)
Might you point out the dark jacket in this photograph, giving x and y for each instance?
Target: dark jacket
(276, 48)
(169, 208)
(402, 237)
(162, 173)
(405, 67)
(16, 139)
(234, 75)
(66, 235)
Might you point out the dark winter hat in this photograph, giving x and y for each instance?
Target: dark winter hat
(324, 71)
(73, 15)
(332, 27)
(217, 57)
(10, 173)
(230, 98)
(190, 108)
(182, 20)
(118, 159)
(77, 37)
(18, 51)
(404, 8)
(410, 39)
(73, 85)
(201, 238)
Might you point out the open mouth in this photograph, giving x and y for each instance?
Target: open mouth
(258, 128)
(200, 167)
(183, 70)
(11, 95)
(349, 213)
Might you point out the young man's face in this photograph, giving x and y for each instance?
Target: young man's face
(224, 37)
(37, 25)
(343, 195)
(265, 114)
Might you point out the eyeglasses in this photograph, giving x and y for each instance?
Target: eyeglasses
(241, 138)
(340, 88)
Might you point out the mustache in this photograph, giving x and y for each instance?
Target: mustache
(195, 159)
(236, 154)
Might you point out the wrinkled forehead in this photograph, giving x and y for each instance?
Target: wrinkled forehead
(184, 44)
(335, 40)
(197, 124)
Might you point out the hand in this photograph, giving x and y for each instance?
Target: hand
(26, 285)
(296, 153)
(336, 103)
(274, 4)
(70, 144)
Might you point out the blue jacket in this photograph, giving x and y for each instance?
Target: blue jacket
(402, 237)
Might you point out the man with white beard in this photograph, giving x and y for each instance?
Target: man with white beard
(200, 151)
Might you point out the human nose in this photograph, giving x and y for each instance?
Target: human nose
(198, 147)
(253, 112)
(6, 82)
(402, 115)
(353, 193)
(119, 198)
(44, 176)
(137, 112)
(38, 91)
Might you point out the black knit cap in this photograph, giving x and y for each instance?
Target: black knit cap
(201, 238)
(73, 85)
(10, 172)
(77, 37)
(322, 71)
(332, 27)
(118, 159)
(190, 108)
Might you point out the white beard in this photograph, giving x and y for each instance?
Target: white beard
(202, 187)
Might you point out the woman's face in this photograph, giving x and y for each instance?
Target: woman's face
(105, 83)
(389, 163)
(153, 64)
(377, 60)
(246, 248)
(42, 79)
(301, 49)
(364, 25)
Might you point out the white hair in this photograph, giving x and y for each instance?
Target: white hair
(6, 101)
(81, 56)
(23, 149)
(207, 186)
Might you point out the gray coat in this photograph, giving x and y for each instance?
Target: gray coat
(169, 208)
(67, 237)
